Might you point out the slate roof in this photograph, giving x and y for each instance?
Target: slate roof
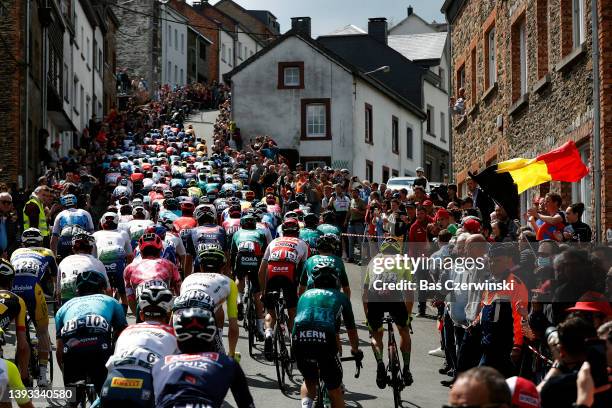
(417, 47)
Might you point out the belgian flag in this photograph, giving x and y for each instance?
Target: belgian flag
(504, 181)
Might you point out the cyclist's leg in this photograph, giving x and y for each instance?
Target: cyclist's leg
(253, 278)
(115, 277)
(290, 293)
(375, 325)
(41, 317)
(331, 373)
(400, 316)
(309, 370)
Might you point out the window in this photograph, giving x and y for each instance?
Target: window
(169, 72)
(230, 57)
(430, 120)
(491, 59)
(395, 135)
(315, 118)
(223, 52)
(182, 43)
(442, 75)
(385, 174)
(75, 94)
(542, 33)
(95, 53)
(100, 59)
(460, 77)
(473, 77)
(409, 143)
(369, 171)
(519, 59)
(82, 100)
(245, 52)
(582, 191)
(394, 173)
(175, 39)
(175, 74)
(443, 125)
(311, 163)
(66, 84)
(577, 23)
(523, 57)
(87, 51)
(182, 82)
(169, 34)
(369, 126)
(239, 50)
(202, 51)
(291, 75)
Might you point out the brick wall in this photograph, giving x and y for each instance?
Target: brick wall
(555, 111)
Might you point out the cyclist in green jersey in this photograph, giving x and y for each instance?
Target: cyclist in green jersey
(315, 329)
(380, 295)
(329, 227)
(310, 233)
(247, 249)
(327, 246)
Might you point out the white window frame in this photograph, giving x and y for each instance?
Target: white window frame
(316, 121)
(523, 56)
(578, 23)
(311, 165)
(442, 126)
(492, 62)
(582, 191)
(291, 76)
(239, 50)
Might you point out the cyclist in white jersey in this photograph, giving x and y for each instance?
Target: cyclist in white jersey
(66, 218)
(138, 225)
(114, 251)
(73, 265)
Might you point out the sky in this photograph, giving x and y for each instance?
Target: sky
(328, 15)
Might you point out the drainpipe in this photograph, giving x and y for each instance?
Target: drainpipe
(596, 122)
(449, 87)
(24, 181)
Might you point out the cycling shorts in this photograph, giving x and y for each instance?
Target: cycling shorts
(282, 284)
(36, 304)
(86, 366)
(128, 387)
(376, 312)
(248, 265)
(313, 361)
(114, 271)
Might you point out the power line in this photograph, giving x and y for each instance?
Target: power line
(142, 13)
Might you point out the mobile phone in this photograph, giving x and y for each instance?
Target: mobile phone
(596, 356)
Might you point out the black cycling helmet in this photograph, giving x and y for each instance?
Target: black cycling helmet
(329, 217)
(211, 257)
(324, 276)
(171, 204)
(328, 242)
(204, 214)
(195, 330)
(311, 220)
(90, 282)
(292, 205)
(248, 222)
(7, 272)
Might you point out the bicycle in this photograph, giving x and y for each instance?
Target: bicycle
(84, 392)
(395, 378)
(34, 365)
(250, 320)
(282, 341)
(323, 400)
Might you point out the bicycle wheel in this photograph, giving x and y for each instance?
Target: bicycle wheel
(396, 377)
(280, 371)
(33, 366)
(251, 325)
(50, 365)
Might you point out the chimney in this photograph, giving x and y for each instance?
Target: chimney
(301, 25)
(410, 11)
(377, 29)
(199, 5)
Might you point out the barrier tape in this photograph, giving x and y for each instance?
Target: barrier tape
(362, 235)
(540, 356)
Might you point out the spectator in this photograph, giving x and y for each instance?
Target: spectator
(576, 230)
(480, 387)
(355, 223)
(9, 229)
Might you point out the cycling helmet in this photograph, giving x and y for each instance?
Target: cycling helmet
(166, 222)
(155, 300)
(292, 205)
(390, 245)
(262, 206)
(270, 199)
(171, 204)
(311, 220)
(31, 237)
(82, 241)
(324, 276)
(329, 217)
(300, 198)
(211, 257)
(249, 195)
(204, 214)
(248, 222)
(195, 329)
(188, 206)
(109, 221)
(140, 211)
(193, 298)
(233, 201)
(235, 211)
(328, 242)
(291, 227)
(168, 194)
(68, 200)
(290, 214)
(6, 268)
(158, 230)
(90, 282)
(150, 242)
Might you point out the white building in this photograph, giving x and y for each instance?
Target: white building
(173, 47)
(322, 110)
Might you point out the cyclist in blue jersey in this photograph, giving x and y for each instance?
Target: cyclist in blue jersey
(71, 216)
(198, 377)
(86, 328)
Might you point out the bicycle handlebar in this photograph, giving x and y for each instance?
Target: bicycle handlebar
(358, 364)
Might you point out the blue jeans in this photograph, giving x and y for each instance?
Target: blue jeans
(356, 228)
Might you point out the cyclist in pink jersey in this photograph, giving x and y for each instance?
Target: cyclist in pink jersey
(151, 268)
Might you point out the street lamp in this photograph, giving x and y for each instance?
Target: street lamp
(384, 68)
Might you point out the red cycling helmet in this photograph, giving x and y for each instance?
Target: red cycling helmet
(187, 206)
(291, 226)
(150, 240)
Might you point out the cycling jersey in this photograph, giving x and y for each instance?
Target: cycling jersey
(265, 229)
(219, 287)
(168, 252)
(202, 378)
(11, 379)
(156, 337)
(175, 242)
(137, 228)
(317, 318)
(71, 267)
(310, 236)
(138, 273)
(334, 261)
(13, 308)
(329, 229)
(284, 255)
(72, 216)
(112, 248)
(380, 280)
(182, 223)
(231, 225)
(31, 266)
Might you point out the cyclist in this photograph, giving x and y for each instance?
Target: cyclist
(327, 246)
(86, 327)
(186, 220)
(207, 232)
(172, 241)
(114, 251)
(150, 268)
(61, 237)
(139, 347)
(199, 376)
(246, 252)
(377, 300)
(279, 270)
(14, 309)
(82, 260)
(35, 267)
(138, 225)
(310, 234)
(232, 223)
(314, 336)
(219, 289)
(10, 380)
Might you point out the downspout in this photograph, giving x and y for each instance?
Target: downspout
(24, 181)
(596, 121)
(449, 87)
